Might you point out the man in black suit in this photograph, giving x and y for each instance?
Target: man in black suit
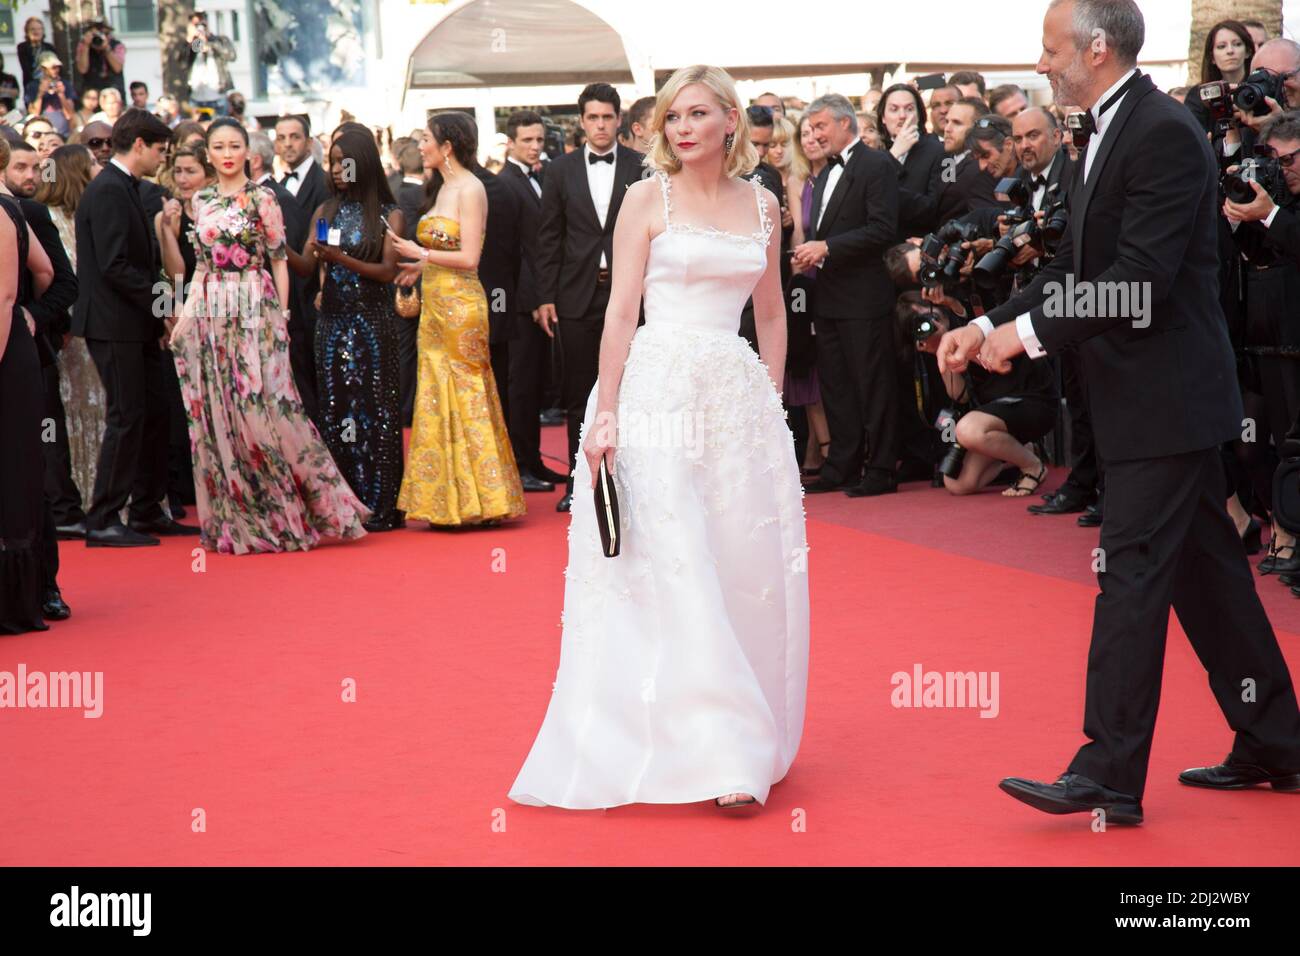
(761, 127)
(575, 241)
(261, 159)
(115, 314)
(305, 182)
(530, 350)
(49, 314)
(855, 219)
(1163, 392)
(409, 192)
(498, 273)
(966, 186)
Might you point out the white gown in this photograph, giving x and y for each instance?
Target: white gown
(684, 660)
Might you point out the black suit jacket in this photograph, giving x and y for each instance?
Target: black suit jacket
(530, 217)
(971, 188)
(50, 311)
(920, 184)
(295, 237)
(1148, 214)
(410, 198)
(570, 238)
(859, 224)
(115, 268)
(313, 191)
(498, 267)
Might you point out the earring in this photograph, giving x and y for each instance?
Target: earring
(727, 142)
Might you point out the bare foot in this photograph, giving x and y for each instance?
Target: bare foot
(735, 799)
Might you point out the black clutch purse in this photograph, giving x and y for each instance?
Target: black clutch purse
(607, 511)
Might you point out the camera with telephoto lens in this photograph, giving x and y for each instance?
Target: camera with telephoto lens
(1265, 170)
(955, 455)
(942, 255)
(1026, 230)
(1249, 96)
(1216, 97)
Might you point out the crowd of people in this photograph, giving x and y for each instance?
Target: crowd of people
(209, 315)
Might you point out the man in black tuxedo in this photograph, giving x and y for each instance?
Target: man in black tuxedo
(1163, 392)
(49, 314)
(115, 314)
(409, 191)
(498, 272)
(966, 186)
(530, 351)
(575, 242)
(305, 182)
(855, 219)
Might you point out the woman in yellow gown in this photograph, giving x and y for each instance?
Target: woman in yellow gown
(460, 469)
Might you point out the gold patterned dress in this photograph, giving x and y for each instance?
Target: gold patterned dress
(460, 468)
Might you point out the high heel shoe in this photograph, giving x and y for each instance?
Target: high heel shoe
(1252, 536)
(1275, 563)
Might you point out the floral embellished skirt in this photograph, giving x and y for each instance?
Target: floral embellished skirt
(684, 660)
(263, 478)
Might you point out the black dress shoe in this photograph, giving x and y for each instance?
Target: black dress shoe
(553, 416)
(53, 607)
(821, 486)
(1091, 517)
(164, 527)
(71, 532)
(546, 474)
(564, 503)
(532, 483)
(874, 483)
(1231, 775)
(118, 536)
(1075, 793)
(1061, 503)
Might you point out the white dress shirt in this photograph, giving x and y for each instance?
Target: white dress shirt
(295, 183)
(600, 180)
(833, 180)
(116, 162)
(1040, 192)
(1024, 327)
(537, 187)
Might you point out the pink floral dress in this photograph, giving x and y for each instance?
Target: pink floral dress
(263, 479)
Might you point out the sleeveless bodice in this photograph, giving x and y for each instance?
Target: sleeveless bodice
(700, 276)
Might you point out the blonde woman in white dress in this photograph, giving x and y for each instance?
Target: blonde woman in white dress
(684, 660)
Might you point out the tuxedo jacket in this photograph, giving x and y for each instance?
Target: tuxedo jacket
(920, 184)
(498, 266)
(410, 198)
(313, 191)
(570, 238)
(51, 311)
(859, 224)
(1147, 214)
(971, 189)
(295, 237)
(530, 215)
(115, 267)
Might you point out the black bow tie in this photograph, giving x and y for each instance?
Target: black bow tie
(1038, 182)
(593, 159)
(534, 175)
(292, 174)
(835, 160)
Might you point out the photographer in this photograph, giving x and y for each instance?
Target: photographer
(31, 47)
(99, 58)
(1004, 412)
(50, 96)
(208, 68)
(1229, 49)
(1266, 229)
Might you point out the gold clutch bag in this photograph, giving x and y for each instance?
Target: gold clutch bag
(407, 302)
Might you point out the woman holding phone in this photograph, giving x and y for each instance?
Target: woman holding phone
(356, 325)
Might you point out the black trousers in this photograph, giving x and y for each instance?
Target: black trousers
(499, 355)
(408, 330)
(180, 463)
(578, 338)
(1167, 540)
(1085, 473)
(530, 357)
(133, 458)
(856, 368)
(61, 492)
(302, 360)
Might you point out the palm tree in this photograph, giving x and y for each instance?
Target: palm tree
(1206, 13)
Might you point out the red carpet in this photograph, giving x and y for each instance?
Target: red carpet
(222, 691)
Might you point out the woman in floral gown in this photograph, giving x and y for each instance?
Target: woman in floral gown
(264, 480)
(460, 470)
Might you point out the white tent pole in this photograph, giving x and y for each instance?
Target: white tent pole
(485, 115)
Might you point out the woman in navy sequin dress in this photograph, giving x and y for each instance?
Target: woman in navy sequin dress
(356, 329)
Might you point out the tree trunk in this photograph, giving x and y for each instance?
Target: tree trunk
(173, 17)
(1206, 13)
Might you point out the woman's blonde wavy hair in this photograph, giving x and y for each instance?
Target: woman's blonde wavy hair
(743, 157)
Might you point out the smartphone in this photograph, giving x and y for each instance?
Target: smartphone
(384, 220)
(322, 231)
(931, 81)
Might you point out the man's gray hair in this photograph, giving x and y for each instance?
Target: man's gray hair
(1120, 21)
(259, 144)
(1282, 126)
(839, 106)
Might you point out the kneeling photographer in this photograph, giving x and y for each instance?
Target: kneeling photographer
(1261, 206)
(999, 415)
